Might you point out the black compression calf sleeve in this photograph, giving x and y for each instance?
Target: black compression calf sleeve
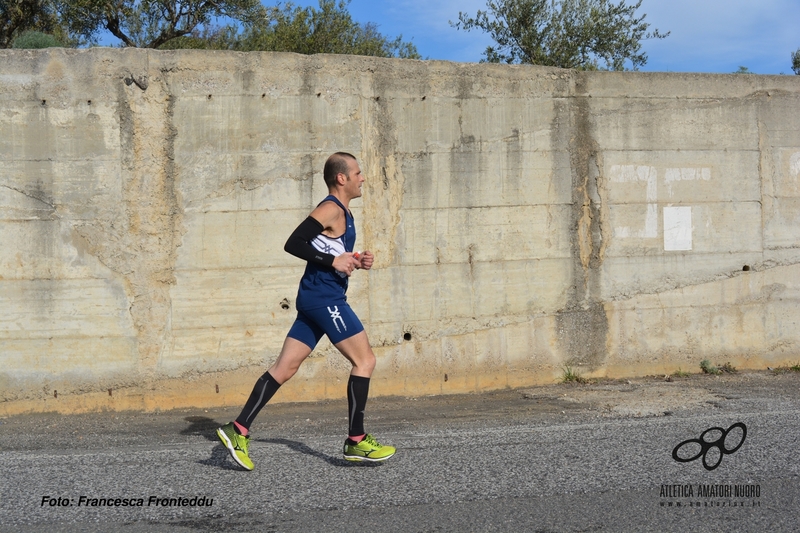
(264, 389)
(357, 392)
(298, 243)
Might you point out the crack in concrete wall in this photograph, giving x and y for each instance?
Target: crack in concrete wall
(138, 239)
(385, 178)
(583, 326)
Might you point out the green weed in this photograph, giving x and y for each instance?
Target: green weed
(680, 374)
(572, 376)
(786, 369)
(708, 368)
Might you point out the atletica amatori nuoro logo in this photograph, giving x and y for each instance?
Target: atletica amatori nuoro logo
(723, 445)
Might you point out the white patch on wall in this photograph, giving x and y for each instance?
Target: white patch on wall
(685, 174)
(632, 173)
(677, 228)
(794, 164)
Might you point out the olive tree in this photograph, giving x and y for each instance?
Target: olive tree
(19, 16)
(327, 30)
(578, 34)
(151, 23)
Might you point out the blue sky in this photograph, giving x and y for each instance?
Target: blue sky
(714, 36)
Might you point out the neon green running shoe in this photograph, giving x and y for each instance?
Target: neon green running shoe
(236, 444)
(367, 450)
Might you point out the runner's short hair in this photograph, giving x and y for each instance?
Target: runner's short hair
(336, 163)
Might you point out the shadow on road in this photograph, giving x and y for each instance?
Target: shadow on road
(206, 427)
(220, 458)
(202, 426)
(302, 448)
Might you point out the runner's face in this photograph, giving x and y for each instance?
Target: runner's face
(354, 179)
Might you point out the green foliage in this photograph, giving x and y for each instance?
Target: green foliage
(708, 368)
(786, 369)
(796, 61)
(578, 34)
(680, 374)
(743, 70)
(152, 23)
(35, 39)
(206, 38)
(18, 16)
(171, 24)
(327, 30)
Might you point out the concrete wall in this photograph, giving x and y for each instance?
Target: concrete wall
(523, 219)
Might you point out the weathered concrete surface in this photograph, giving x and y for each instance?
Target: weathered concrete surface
(523, 219)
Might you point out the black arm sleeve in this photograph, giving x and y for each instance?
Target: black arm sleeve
(299, 245)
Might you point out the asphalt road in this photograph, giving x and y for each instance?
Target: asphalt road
(560, 458)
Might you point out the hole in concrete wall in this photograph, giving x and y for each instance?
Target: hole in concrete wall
(55, 394)
(209, 97)
(44, 102)
(319, 94)
(445, 377)
(217, 387)
(88, 102)
(424, 97)
(377, 98)
(109, 392)
(746, 268)
(263, 95)
(285, 303)
(407, 336)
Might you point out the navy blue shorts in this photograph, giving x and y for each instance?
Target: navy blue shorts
(338, 322)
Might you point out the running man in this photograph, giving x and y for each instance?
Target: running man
(325, 240)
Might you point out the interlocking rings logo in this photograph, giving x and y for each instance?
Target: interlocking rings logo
(706, 446)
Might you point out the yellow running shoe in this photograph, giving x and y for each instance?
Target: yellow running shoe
(367, 450)
(236, 444)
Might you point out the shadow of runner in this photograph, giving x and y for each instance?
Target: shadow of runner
(334, 461)
(202, 426)
(207, 427)
(220, 458)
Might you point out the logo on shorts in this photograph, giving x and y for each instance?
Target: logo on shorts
(336, 315)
